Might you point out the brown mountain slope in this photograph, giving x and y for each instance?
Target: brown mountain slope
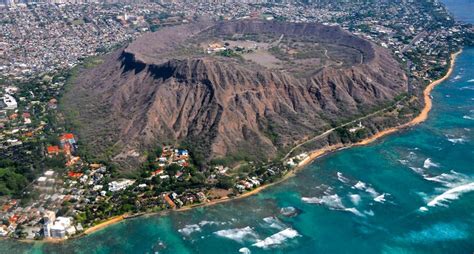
(151, 92)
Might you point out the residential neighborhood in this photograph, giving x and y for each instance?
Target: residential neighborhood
(53, 191)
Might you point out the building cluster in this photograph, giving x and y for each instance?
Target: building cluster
(43, 38)
(67, 193)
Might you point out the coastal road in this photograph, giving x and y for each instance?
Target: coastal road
(324, 134)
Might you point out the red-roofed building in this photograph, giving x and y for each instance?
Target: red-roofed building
(53, 150)
(74, 174)
(13, 218)
(67, 136)
(169, 201)
(67, 139)
(157, 172)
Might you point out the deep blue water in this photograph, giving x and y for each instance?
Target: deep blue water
(411, 192)
(461, 9)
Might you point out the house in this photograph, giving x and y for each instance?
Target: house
(120, 185)
(42, 180)
(169, 201)
(3, 231)
(53, 150)
(49, 173)
(74, 174)
(157, 172)
(68, 142)
(67, 137)
(9, 102)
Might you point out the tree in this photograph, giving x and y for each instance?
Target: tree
(172, 169)
(225, 182)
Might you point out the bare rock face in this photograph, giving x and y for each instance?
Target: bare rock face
(150, 92)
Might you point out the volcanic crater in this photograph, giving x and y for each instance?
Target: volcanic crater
(245, 88)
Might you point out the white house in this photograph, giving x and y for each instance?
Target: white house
(10, 102)
(120, 185)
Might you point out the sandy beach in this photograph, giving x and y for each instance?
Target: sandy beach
(311, 155)
(104, 224)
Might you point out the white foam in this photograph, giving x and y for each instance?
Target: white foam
(360, 185)
(354, 211)
(419, 171)
(207, 222)
(273, 222)
(468, 117)
(451, 194)
(332, 201)
(237, 234)
(457, 77)
(380, 198)
(457, 140)
(277, 239)
(244, 250)
(288, 211)
(423, 209)
(429, 163)
(470, 81)
(451, 180)
(363, 186)
(355, 198)
(189, 229)
(342, 178)
(372, 192)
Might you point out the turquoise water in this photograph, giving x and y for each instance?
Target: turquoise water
(361, 200)
(411, 192)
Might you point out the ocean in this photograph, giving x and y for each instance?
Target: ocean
(411, 192)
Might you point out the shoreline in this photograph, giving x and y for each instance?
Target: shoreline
(312, 155)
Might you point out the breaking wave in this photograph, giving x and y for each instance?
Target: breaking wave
(333, 202)
(429, 163)
(354, 211)
(277, 239)
(289, 211)
(238, 234)
(451, 194)
(274, 222)
(342, 178)
(470, 81)
(457, 140)
(451, 180)
(468, 117)
(355, 198)
(244, 250)
(363, 186)
(189, 229)
(380, 198)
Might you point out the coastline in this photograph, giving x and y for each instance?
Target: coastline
(312, 155)
(104, 224)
